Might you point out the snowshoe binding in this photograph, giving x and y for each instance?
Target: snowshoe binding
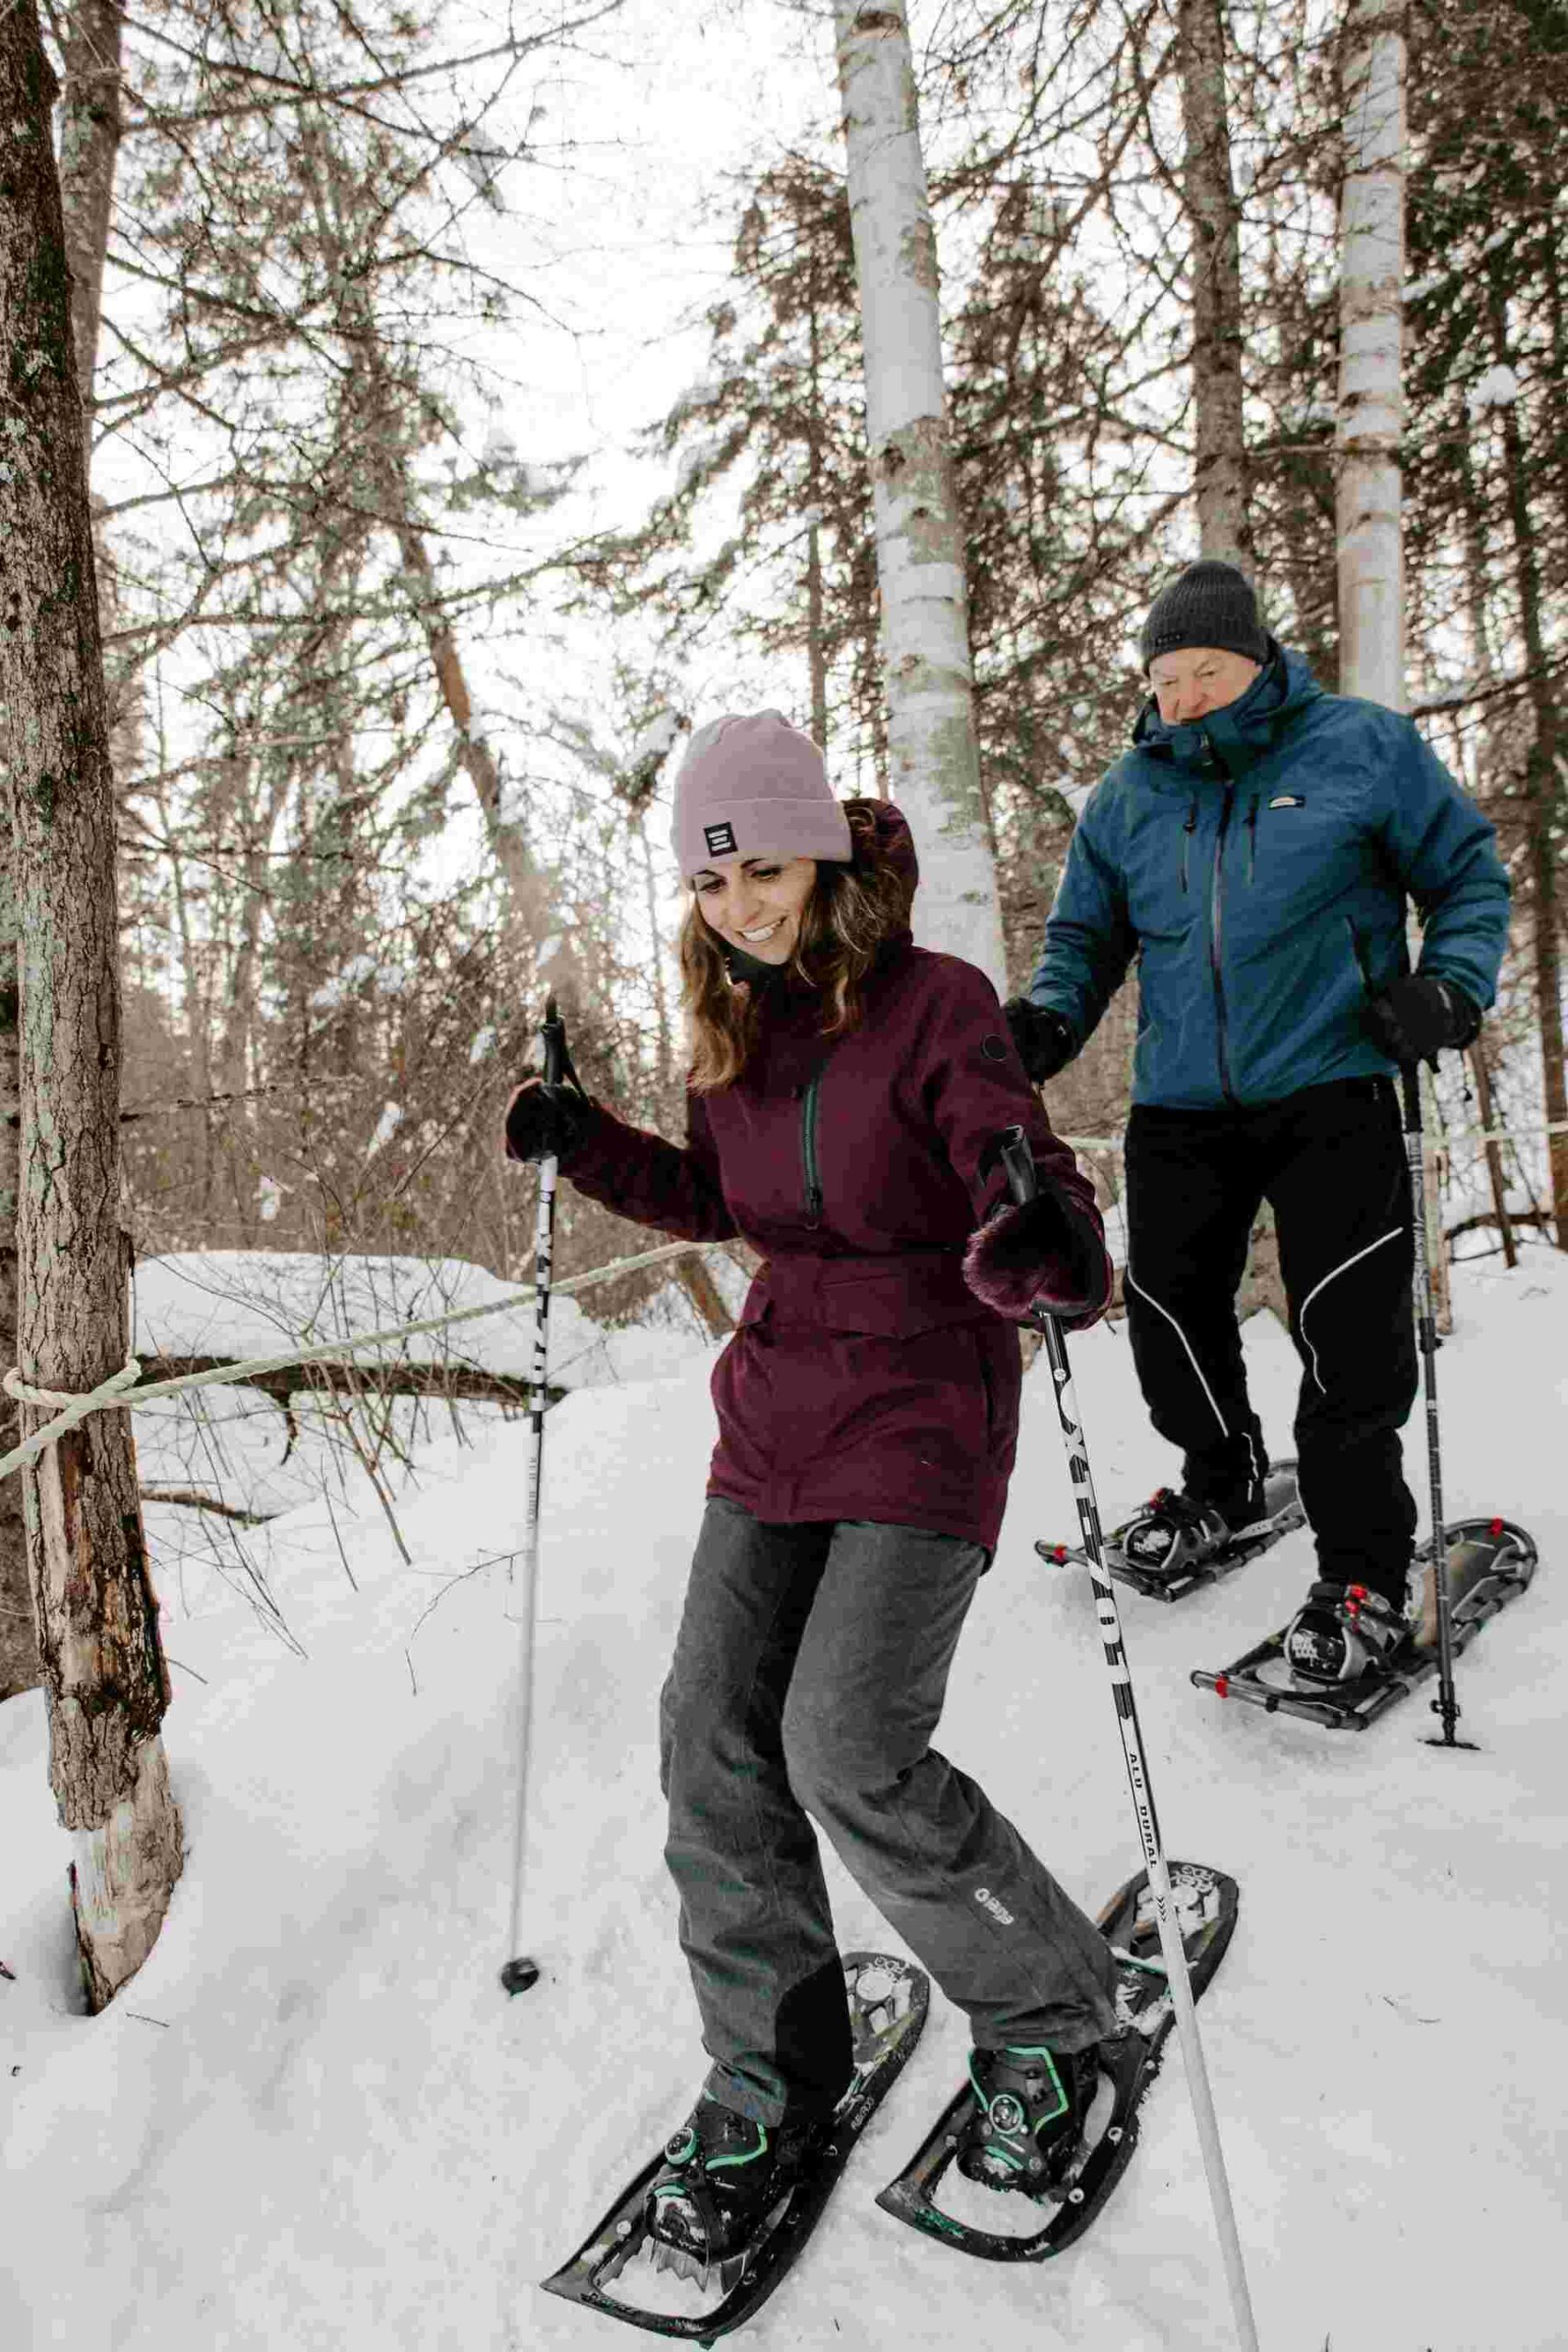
(1030, 2105)
(722, 2180)
(1344, 1634)
(1173, 1533)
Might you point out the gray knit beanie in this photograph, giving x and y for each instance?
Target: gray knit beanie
(1209, 604)
(755, 787)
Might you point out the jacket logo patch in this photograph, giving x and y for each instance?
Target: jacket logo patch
(1285, 800)
(720, 839)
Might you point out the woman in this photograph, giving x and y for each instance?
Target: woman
(845, 1086)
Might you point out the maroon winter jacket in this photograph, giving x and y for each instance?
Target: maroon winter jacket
(865, 1381)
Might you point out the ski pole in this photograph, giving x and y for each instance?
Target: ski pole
(519, 1972)
(1017, 1160)
(1445, 1704)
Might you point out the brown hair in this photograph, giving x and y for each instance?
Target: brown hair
(852, 910)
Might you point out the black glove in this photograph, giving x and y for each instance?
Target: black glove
(1044, 1040)
(546, 1122)
(1413, 1019)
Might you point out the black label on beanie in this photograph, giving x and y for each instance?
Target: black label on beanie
(720, 839)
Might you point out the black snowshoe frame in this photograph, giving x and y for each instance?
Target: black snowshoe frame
(888, 2022)
(1284, 1513)
(1206, 1903)
(1499, 1560)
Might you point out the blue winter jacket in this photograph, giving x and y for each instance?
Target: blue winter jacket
(1257, 864)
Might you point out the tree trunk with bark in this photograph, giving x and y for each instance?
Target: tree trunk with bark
(1214, 218)
(1371, 327)
(97, 1619)
(1544, 771)
(934, 756)
(89, 143)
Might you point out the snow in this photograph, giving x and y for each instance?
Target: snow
(1499, 387)
(315, 2120)
(387, 1126)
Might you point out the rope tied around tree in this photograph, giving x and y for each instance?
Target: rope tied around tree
(120, 1391)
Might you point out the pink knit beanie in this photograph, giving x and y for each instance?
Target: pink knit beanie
(755, 787)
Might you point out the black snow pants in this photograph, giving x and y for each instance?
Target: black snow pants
(809, 1674)
(1331, 1160)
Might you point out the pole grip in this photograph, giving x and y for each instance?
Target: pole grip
(1011, 1148)
(552, 1030)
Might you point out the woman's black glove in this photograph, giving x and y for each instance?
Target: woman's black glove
(1413, 1019)
(1044, 1253)
(1044, 1040)
(546, 1122)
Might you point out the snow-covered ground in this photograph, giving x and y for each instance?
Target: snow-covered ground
(315, 2120)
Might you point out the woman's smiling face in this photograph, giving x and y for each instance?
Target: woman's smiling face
(756, 903)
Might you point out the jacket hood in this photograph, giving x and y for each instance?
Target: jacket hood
(1245, 728)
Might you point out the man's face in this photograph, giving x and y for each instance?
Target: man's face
(1199, 679)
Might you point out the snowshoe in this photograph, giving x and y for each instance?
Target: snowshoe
(1082, 2167)
(1175, 1543)
(757, 2230)
(1491, 1562)
(1342, 1633)
(1030, 2105)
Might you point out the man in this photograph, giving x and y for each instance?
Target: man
(1254, 849)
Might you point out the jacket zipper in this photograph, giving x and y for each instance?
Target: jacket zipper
(1188, 827)
(808, 1152)
(1252, 841)
(1216, 916)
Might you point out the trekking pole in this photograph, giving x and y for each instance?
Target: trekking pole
(1445, 1704)
(520, 1972)
(1017, 1160)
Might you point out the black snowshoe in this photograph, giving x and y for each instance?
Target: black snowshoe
(1084, 2154)
(733, 2229)
(1177, 1543)
(1489, 1563)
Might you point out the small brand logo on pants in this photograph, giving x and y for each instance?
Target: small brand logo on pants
(987, 1902)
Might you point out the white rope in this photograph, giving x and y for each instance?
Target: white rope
(117, 1391)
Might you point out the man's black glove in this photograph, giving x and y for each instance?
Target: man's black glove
(1413, 1019)
(1044, 1040)
(546, 1122)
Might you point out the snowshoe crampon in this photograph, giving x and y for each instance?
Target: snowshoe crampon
(1491, 1562)
(1205, 1904)
(1282, 1511)
(889, 2001)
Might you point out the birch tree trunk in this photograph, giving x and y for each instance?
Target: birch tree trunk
(97, 1619)
(1544, 771)
(89, 143)
(1372, 395)
(1220, 470)
(933, 754)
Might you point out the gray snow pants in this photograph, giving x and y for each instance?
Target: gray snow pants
(809, 1674)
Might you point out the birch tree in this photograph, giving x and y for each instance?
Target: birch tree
(933, 757)
(1209, 189)
(104, 1675)
(1371, 400)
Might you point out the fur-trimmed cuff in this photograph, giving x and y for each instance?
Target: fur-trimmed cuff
(1044, 1254)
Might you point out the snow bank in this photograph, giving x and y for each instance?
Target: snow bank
(314, 2121)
